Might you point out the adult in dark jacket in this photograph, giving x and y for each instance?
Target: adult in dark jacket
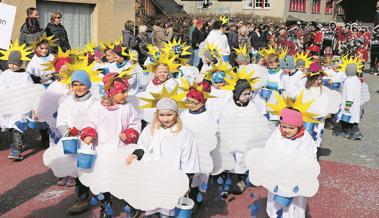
(57, 29)
(256, 38)
(30, 31)
(233, 42)
(198, 36)
(128, 39)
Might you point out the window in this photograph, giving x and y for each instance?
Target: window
(316, 5)
(298, 5)
(329, 7)
(248, 4)
(204, 4)
(262, 4)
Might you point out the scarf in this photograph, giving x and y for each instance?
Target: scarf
(273, 71)
(157, 81)
(199, 111)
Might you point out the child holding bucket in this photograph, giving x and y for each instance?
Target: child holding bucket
(15, 76)
(290, 137)
(111, 120)
(167, 137)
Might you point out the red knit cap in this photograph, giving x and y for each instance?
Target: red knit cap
(291, 117)
(60, 62)
(195, 94)
(118, 85)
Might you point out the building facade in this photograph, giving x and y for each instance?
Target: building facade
(307, 10)
(89, 20)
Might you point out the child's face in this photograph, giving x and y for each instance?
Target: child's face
(218, 85)
(301, 68)
(109, 56)
(118, 58)
(318, 81)
(79, 88)
(195, 104)
(43, 50)
(167, 118)
(245, 96)
(162, 73)
(120, 98)
(273, 65)
(289, 131)
(14, 67)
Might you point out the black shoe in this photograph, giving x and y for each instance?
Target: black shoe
(356, 136)
(134, 213)
(79, 206)
(238, 185)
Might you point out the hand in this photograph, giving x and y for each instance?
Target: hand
(34, 115)
(122, 136)
(88, 140)
(130, 159)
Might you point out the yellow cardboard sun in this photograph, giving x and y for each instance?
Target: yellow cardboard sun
(224, 19)
(50, 66)
(174, 95)
(186, 87)
(346, 60)
(51, 40)
(16, 47)
(219, 67)
(82, 65)
(283, 102)
(163, 59)
(215, 51)
(303, 56)
(241, 50)
(232, 78)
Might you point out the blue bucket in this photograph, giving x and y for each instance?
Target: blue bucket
(325, 82)
(184, 208)
(283, 200)
(265, 93)
(336, 86)
(70, 145)
(346, 117)
(32, 124)
(309, 127)
(85, 161)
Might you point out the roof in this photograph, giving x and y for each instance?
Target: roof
(168, 7)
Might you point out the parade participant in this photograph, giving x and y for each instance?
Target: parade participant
(325, 101)
(217, 77)
(293, 78)
(120, 59)
(210, 54)
(201, 122)
(111, 121)
(143, 78)
(275, 77)
(291, 138)
(241, 115)
(351, 100)
(167, 137)
(70, 109)
(15, 76)
(40, 58)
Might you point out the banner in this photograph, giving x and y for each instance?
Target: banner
(7, 16)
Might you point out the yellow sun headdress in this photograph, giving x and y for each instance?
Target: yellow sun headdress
(16, 47)
(81, 65)
(174, 95)
(346, 60)
(51, 41)
(186, 88)
(132, 54)
(159, 57)
(241, 50)
(50, 66)
(214, 51)
(177, 48)
(224, 19)
(219, 67)
(303, 56)
(281, 52)
(302, 107)
(232, 78)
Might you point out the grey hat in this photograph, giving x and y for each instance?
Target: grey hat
(242, 59)
(287, 63)
(208, 55)
(300, 63)
(351, 70)
(167, 104)
(15, 58)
